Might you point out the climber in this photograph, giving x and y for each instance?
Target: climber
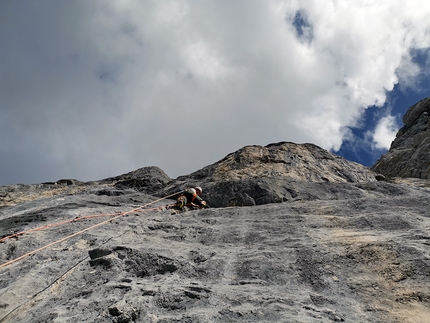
(191, 197)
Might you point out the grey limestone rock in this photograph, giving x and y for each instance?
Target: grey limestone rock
(275, 173)
(362, 258)
(145, 179)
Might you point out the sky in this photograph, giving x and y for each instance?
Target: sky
(95, 89)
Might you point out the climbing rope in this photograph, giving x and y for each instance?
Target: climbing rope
(115, 216)
(52, 225)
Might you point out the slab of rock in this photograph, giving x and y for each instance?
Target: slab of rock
(362, 259)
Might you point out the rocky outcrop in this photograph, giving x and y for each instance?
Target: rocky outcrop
(147, 179)
(409, 154)
(280, 172)
(299, 162)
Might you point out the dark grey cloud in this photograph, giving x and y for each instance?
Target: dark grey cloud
(91, 89)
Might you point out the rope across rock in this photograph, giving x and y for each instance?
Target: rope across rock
(113, 217)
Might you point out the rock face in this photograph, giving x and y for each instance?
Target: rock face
(148, 179)
(285, 171)
(299, 162)
(337, 246)
(409, 154)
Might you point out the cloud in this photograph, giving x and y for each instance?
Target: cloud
(93, 89)
(384, 133)
(202, 61)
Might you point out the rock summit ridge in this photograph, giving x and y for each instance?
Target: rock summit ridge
(278, 172)
(300, 162)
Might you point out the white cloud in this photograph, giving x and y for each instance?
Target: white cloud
(172, 12)
(408, 73)
(107, 87)
(385, 132)
(204, 62)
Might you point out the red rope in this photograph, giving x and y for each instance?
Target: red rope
(52, 225)
(116, 216)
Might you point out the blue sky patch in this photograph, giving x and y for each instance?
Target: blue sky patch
(304, 29)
